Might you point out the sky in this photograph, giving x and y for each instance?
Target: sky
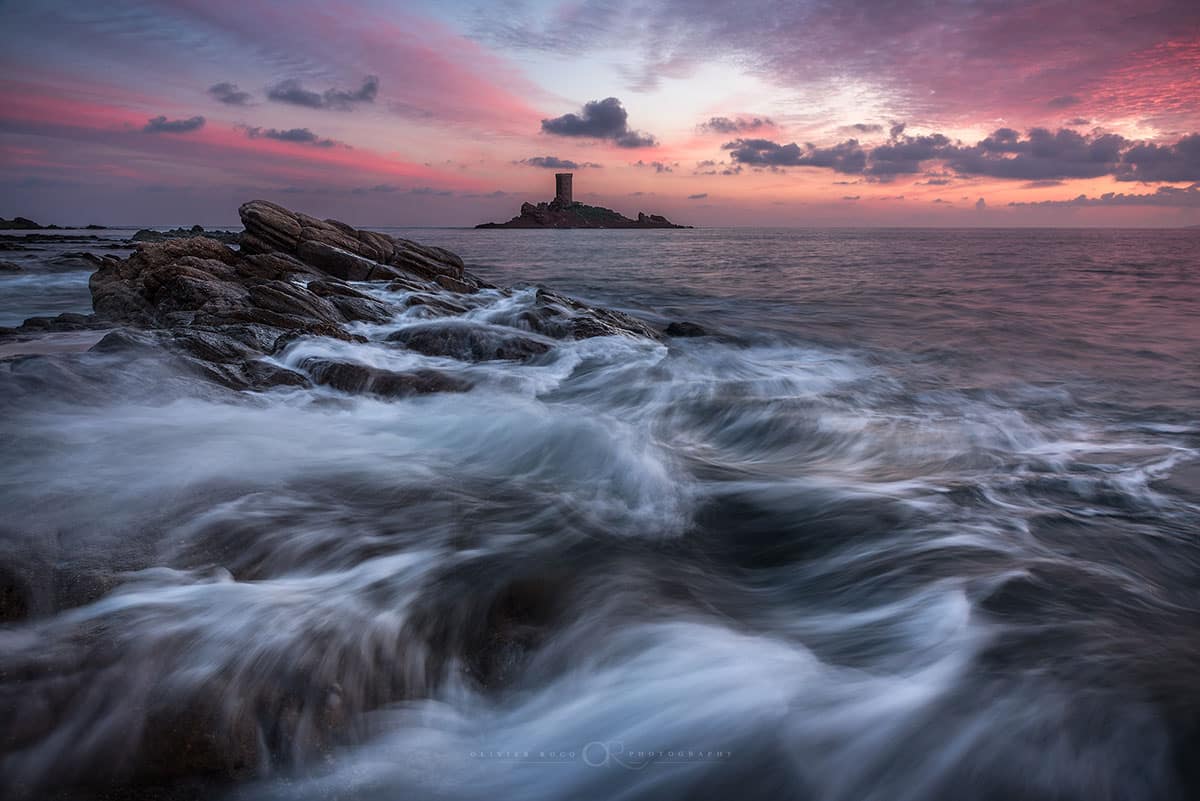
(757, 112)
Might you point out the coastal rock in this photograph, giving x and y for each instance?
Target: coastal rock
(685, 329)
(9, 267)
(359, 379)
(561, 317)
(470, 343)
(23, 224)
(208, 310)
(346, 252)
(149, 235)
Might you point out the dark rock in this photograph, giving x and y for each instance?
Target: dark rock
(341, 263)
(469, 342)
(684, 329)
(203, 308)
(149, 235)
(9, 267)
(67, 321)
(287, 298)
(268, 228)
(360, 379)
(22, 224)
(557, 214)
(14, 597)
(560, 316)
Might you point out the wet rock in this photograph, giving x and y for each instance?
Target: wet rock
(14, 597)
(67, 321)
(9, 267)
(341, 263)
(560, 316)
(684, 329)
(287, 298)
(213, 311)
(359, 379)
(470, 343)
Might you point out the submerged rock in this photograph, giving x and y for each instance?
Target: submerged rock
(684, 329)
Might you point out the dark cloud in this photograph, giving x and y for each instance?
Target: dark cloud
(292, 91)
(981, 204)
(903, 155)
(555, 163)
(1040, 155)
(1041, 184)
(229, 93)
(496, 195)
(300, 136)
(1177, 162)
(851, 197)
(847, 157)
(600, 119)
(727, 125)
(699, 196)
(1078, 121)
(657, 165)
(864, 128)
(392, 189)
(161, 124)
(1064, 101)
(1163, 196)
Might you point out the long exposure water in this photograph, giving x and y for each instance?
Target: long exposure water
(917, 520)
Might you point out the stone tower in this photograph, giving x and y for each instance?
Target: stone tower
(562, 188)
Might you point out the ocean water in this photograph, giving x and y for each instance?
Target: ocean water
(918, 520)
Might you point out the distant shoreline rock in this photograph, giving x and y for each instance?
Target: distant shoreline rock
(150, 235)
(26, 224)
(557, 214)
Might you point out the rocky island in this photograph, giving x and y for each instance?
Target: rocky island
(565, 212)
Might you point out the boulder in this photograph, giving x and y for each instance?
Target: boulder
(470, 342)
(684, 329)
(359, 379)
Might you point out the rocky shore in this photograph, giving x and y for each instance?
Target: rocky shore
(194, 318)
(220, 313)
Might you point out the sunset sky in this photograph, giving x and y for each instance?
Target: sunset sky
(153, 112)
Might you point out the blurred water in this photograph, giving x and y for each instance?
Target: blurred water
(918, 522)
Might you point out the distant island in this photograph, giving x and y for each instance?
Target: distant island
(564, 212)
(26, 224)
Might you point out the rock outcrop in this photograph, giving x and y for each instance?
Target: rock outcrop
(557, 214)
(150, 235)
(217, 312)
(23, 224)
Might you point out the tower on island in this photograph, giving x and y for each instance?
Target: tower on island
(562, 188)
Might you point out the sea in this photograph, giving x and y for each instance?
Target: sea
(917, 517)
